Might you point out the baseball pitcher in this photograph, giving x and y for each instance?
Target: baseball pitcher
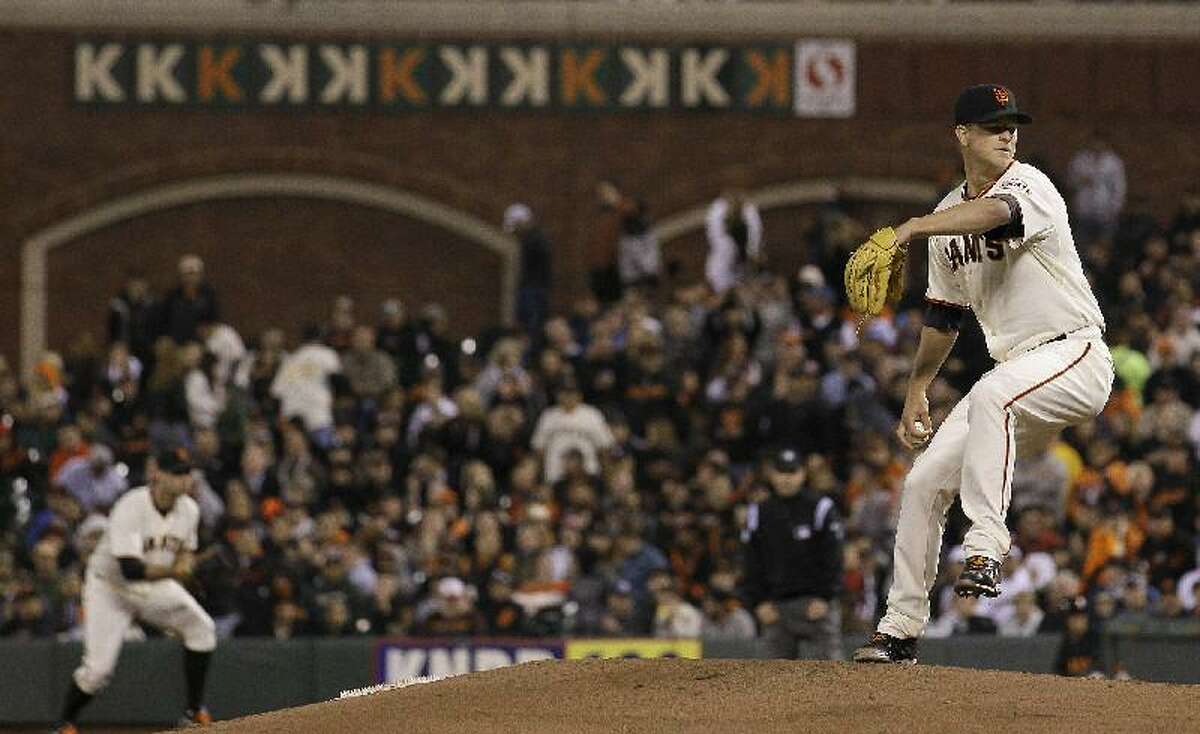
(1000, 245)
(135, 573)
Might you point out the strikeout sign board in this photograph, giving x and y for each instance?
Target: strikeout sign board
(420, 75)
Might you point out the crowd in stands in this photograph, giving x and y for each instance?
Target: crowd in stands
(590, 474)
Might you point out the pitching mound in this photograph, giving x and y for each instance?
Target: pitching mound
(746, 696)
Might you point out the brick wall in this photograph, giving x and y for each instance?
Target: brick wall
(281, 262)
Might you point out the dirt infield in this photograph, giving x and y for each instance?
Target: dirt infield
(746, 697)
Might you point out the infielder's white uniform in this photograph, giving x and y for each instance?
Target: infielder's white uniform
(1027, 289)
(137, 529)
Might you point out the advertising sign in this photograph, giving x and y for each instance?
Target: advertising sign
(436, 658)
(632, 648)
(826, 78)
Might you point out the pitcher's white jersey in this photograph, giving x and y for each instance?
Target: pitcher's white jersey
(136, 529)
(1024, 280)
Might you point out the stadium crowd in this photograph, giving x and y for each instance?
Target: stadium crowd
(591, 473)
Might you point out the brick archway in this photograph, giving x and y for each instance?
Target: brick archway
(35, 249)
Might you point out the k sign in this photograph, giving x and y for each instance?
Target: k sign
(826, 79)
(413, 75)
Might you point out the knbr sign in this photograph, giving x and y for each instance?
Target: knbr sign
(409, 658)
(403, 75)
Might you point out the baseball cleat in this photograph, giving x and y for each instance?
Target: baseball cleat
(980, 577)
(199, 717)
(882, 648)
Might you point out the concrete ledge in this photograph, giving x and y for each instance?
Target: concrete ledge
(552, 19)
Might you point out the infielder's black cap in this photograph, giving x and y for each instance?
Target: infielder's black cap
(987, 103)
(174, 460)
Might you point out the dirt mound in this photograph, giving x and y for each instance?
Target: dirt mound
(746, 697)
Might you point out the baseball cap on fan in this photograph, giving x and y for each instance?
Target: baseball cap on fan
(987, 103)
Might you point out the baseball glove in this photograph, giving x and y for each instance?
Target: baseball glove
(875, 273)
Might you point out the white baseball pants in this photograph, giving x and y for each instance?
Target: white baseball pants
(109, 608)
(1014, 410)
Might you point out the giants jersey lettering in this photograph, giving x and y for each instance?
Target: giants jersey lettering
(136, 529)
(1023, 280)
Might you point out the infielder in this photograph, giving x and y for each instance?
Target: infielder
(999, 245)
(135, 572)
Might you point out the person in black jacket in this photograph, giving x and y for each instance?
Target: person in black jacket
(189, 304)
(533, 287)
(132, 319)
(794, 566)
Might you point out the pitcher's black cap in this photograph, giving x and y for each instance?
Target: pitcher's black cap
(987, 103)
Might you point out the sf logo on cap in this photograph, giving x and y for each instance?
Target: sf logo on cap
(1001, 95)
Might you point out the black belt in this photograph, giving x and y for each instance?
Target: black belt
(1058, 338)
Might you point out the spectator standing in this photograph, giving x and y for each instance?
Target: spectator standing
(132, 315)
(1096, 175)
(735, 232)
(793, 547)
(369, 370)
(189, 304)
(533, 285)
(639, 257)
(224, 343)
(395, 334)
